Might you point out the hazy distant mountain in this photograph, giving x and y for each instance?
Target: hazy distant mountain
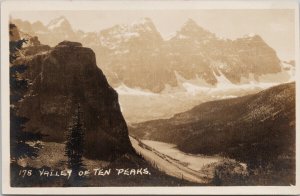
(137, 56)
(196, 51)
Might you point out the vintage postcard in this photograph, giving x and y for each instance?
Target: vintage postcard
(149, 97)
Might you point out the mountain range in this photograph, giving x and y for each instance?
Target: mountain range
(137, 56)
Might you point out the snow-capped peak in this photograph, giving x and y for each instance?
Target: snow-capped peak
(57, 22)
(142, 24)
(250, 35)
(191, 29)
(191, 26)
(117, 35)
(190, 22)
(142, 21)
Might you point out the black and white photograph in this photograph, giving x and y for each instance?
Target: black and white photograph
(149, 96)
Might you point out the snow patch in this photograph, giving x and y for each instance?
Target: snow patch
(249, 35)
(223, 65)
(128, 35)
(143, 24)
(170, 36)
(194, 89)
(56, 23)
(222, 80)
(117, 36)
(125, 90)
(180, 36)
(141, 21)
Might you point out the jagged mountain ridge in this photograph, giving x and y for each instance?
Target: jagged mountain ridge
(137, 56)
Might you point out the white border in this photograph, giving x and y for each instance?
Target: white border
(8, 6)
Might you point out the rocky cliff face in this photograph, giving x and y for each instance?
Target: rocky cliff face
(61, 78)
(136, 55)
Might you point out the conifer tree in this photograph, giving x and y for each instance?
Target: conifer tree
(19, 139)
(75, 141)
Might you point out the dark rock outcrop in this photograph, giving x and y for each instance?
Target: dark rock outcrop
(61, 78)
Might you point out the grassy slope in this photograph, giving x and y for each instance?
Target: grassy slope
(52, 157)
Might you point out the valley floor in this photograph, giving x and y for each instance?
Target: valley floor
(167, 164)
(170, 160)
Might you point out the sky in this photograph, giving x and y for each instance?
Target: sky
(275, 26)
